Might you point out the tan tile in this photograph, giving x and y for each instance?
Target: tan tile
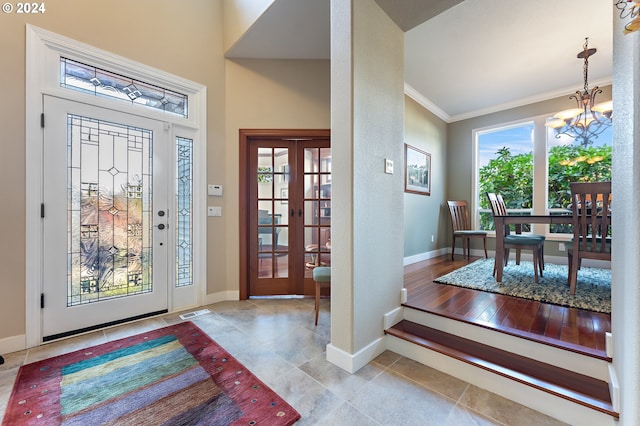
(13, 360)
(347, 415)
(504, 410)
(338, 380)
(64, 346)
(430, 377)
(461, 416)
(387, 358)
(312, 400)
(392, 399)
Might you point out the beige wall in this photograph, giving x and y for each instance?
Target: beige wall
(426, 216)
(238, 16)
(262, 94)
(185, 41)
(367, 126)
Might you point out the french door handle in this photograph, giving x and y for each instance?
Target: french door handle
(292, 213)
(299, 212)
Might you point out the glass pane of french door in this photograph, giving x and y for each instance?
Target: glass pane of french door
(106, 222)
(272, 213)
(317, 208)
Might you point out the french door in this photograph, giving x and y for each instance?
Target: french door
(288, 213)
(105, 217)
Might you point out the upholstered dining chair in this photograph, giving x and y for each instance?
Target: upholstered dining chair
(591, 225)
(518, 241)
(322, 278)
(461, 227)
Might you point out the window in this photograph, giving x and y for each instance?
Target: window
(184, 208)
(89, 79)
(532, 169)
(571, 162)
(505, 166)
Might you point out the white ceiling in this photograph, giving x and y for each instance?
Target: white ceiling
(477, 57)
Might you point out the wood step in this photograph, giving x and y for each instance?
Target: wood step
(580, 389)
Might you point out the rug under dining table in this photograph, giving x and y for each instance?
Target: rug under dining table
(593, 290)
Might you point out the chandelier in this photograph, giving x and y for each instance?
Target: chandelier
(588, 119)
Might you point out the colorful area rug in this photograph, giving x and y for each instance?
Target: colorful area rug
(593, 288)
(174, 375)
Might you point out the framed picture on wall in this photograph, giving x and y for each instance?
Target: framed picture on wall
(417, 171)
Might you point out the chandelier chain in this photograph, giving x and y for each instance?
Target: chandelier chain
(585, 67)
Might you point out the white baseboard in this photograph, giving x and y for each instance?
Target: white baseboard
(393, 317)
(614, 388)
(13, 344)
(354, 362)
(221, 296)
(559, 260)
(426, 255)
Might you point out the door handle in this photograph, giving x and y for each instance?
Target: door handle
(299, 212)
(292, 213)
(162, 226)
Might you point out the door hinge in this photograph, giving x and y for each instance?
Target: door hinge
(41, 209)
(42, 120)
(41, 300)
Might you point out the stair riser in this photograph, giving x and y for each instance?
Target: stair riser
(549, 404)
(564, 359)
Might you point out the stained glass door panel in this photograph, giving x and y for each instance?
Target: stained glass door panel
(105, 227)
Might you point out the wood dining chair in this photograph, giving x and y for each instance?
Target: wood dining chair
(591, 225)
(461, 227)
(518, 241)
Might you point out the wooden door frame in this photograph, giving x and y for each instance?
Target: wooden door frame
(246, 135)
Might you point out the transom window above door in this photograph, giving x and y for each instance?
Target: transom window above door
(89, 79)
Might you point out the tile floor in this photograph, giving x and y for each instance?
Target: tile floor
(276, 340)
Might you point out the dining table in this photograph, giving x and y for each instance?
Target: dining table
(501, 221)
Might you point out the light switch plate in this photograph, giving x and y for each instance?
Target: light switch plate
(214, 211)
(388, 166)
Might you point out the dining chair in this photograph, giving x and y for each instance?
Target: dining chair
(518, 241)
(461, 227)
(591, 225)
(322, 278)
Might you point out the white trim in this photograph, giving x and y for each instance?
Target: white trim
(43, 50)
(12, 344)
(426, 255)
(614, 388)
(393, 317)
(422, 100)
(541, 97)
(222, 296)
(354, 362)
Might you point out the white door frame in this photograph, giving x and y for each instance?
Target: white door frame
(44, 49)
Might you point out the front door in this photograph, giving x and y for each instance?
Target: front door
(288, 213)
(105, 217)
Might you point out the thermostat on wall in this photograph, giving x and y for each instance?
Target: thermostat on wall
(215, 190)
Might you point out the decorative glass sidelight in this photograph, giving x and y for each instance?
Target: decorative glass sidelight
(184, 208)
(109, 210)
